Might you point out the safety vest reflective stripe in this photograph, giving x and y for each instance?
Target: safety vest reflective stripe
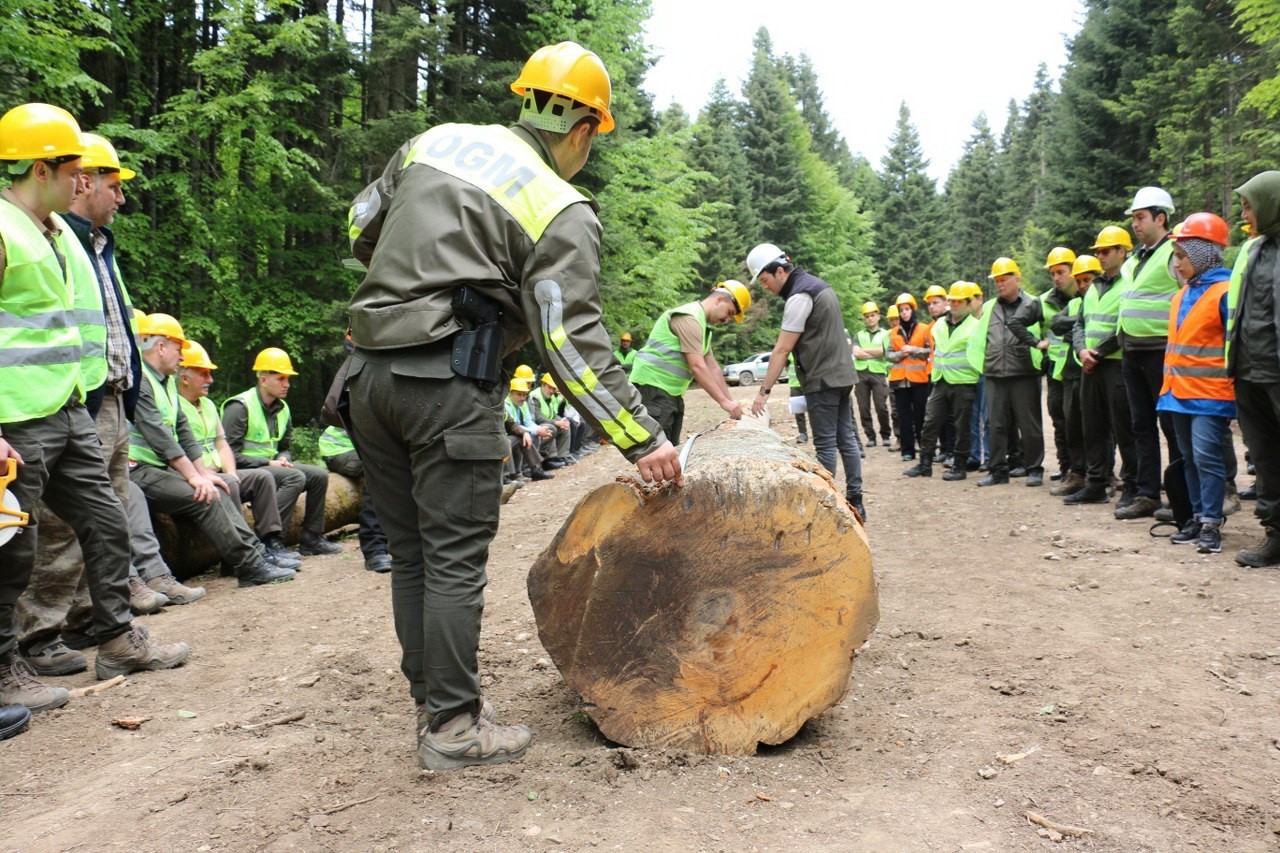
(1144, 298)
(595, 399)
(1233, 290)
(259, 442)
(1195, 362)
(950, 356)
(867, 340)
(660, 362)
(519, 414)
(913, 369)
(166, 397)
(334, 441)
(1100, 316)
(545, 406)
(1057, 345)
(1073, 310)
(978, 342)
(40, 341)
(495, 160)
(203, 420)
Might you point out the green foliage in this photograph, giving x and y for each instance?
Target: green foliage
(974, 206)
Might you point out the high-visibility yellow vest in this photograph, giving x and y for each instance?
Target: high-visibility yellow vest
(950, 353)
(1233, 289)
(202, 416)
(660, 362)
(1144, 298)
(1073, 310)
(1100, 315)
(334, 441)
(259, 441)
(871, 340)
(45, 315)
(1058, 347)
(978, 342)
(166, 396)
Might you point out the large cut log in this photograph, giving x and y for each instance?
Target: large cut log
(713, 617)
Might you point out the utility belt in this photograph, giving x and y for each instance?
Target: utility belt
(477, 351)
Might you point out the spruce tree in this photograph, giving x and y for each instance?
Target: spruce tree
(974, 206)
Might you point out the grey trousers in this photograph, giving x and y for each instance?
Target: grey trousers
(291, 482)
(257, 488)
(64, 467)
(831, 417)
(1014, 402)
(437, 484)
(557, 446)
(873, 390)
(222, 521)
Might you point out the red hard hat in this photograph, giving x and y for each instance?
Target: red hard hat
(1206, 226)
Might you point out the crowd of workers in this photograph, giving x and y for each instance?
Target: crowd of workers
(475, 242)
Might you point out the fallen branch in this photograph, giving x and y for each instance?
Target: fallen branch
(1243, 691)
(81, 692)
(344, 806)
(1072, 831)
(278, 721)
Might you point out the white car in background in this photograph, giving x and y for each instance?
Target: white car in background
(750, 371)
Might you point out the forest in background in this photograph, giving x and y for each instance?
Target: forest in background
(252, 124)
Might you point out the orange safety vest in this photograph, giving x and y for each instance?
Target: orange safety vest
(1195, 358)
(912, 369)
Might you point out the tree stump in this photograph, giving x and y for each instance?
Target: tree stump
(713, 617)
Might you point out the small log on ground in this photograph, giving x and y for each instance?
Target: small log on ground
(714, 617)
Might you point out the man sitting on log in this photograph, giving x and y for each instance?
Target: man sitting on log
(166, 460)
(678, 352)
(813, 328)
(521, 431)
(548, 409)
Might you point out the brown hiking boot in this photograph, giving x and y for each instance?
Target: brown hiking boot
(19, 686)
(133, 651)
(466, 740)
(177, 593)
(424, 719)
(54, 658)
(143, 599)
(1070, 484)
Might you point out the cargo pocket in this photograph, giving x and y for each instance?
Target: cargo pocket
(475, 458)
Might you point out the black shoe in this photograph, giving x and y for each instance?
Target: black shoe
(1249, 493)
(923, 468)
(855, 500)
(1035, 477)
(552, 465)
(1190, 532)
(1127, 497)
(265, 573)
(950, 461)
(1210, 541)
(13, 720)
(539, 474)
(956, 473)
(1266, 554)
(1164, 513)
(380, 563)
(871, 441)
(1020, 471)
(1250, 469)
(1092, 493)
(972, 465)
(279, 554)
(568, 460)
(1055, 476)
(984, 467)
(908, 457)
(802, 438)
(78, 640)
(995, 478)
(312, 544)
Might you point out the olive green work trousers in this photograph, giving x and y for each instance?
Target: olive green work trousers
(432, 444)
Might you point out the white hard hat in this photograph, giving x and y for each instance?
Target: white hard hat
(761, 256)
(1149, 197)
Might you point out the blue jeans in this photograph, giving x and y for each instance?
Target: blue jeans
(979, 422)
(831, 419)
(1200, 438)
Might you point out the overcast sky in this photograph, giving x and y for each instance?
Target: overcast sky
(947, 60)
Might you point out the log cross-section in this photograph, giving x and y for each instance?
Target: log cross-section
(713, 617)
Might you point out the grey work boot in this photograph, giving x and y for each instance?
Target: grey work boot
(424, 719)
(314, 545)
(133, 651)
(19, 686)
(922, 468)
(176, 592)
(52, 657)
(143, 599)
(467, 739)
(1264, 555)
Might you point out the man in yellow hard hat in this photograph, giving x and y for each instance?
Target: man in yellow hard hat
(431, 322)
(678, 353)
(624, 353)
(1104, 403)
(258, 423)
(1067, 370)
(53, 348)
(1053, 302)
(254, 486)
(936, 302)
(525, 435)
(1007, 349)
(548, 409)
(869, 345)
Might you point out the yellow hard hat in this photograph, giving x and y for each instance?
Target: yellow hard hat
(101, 155)
(520, 385)
(741, 297)
(194, 355)
(1004, 266)
(1113, 235)
(274, 360)
(870, 308)
(975, 290)
(163, 325)
(905, 299)
(138, 314)
(1059, 255)
(961, 290)
(892, 313)
(626, 336)
(935, 290)
(524, 371)
(1246, 228)
(39, 132)
(1085, 263)
(548, 379)
(570, 71)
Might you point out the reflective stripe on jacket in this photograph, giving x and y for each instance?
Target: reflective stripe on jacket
(1144, 297)
(660, 362)
(950, 353)
(166, 394)
(1195, 358)
(334, 441)
(259, 441)
(912, 369)
(202, 416)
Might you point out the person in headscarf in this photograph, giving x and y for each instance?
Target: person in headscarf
(1253, 353)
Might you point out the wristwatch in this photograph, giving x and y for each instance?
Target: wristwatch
(764, 392)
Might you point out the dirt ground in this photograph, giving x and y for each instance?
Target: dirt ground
(1029, 657)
